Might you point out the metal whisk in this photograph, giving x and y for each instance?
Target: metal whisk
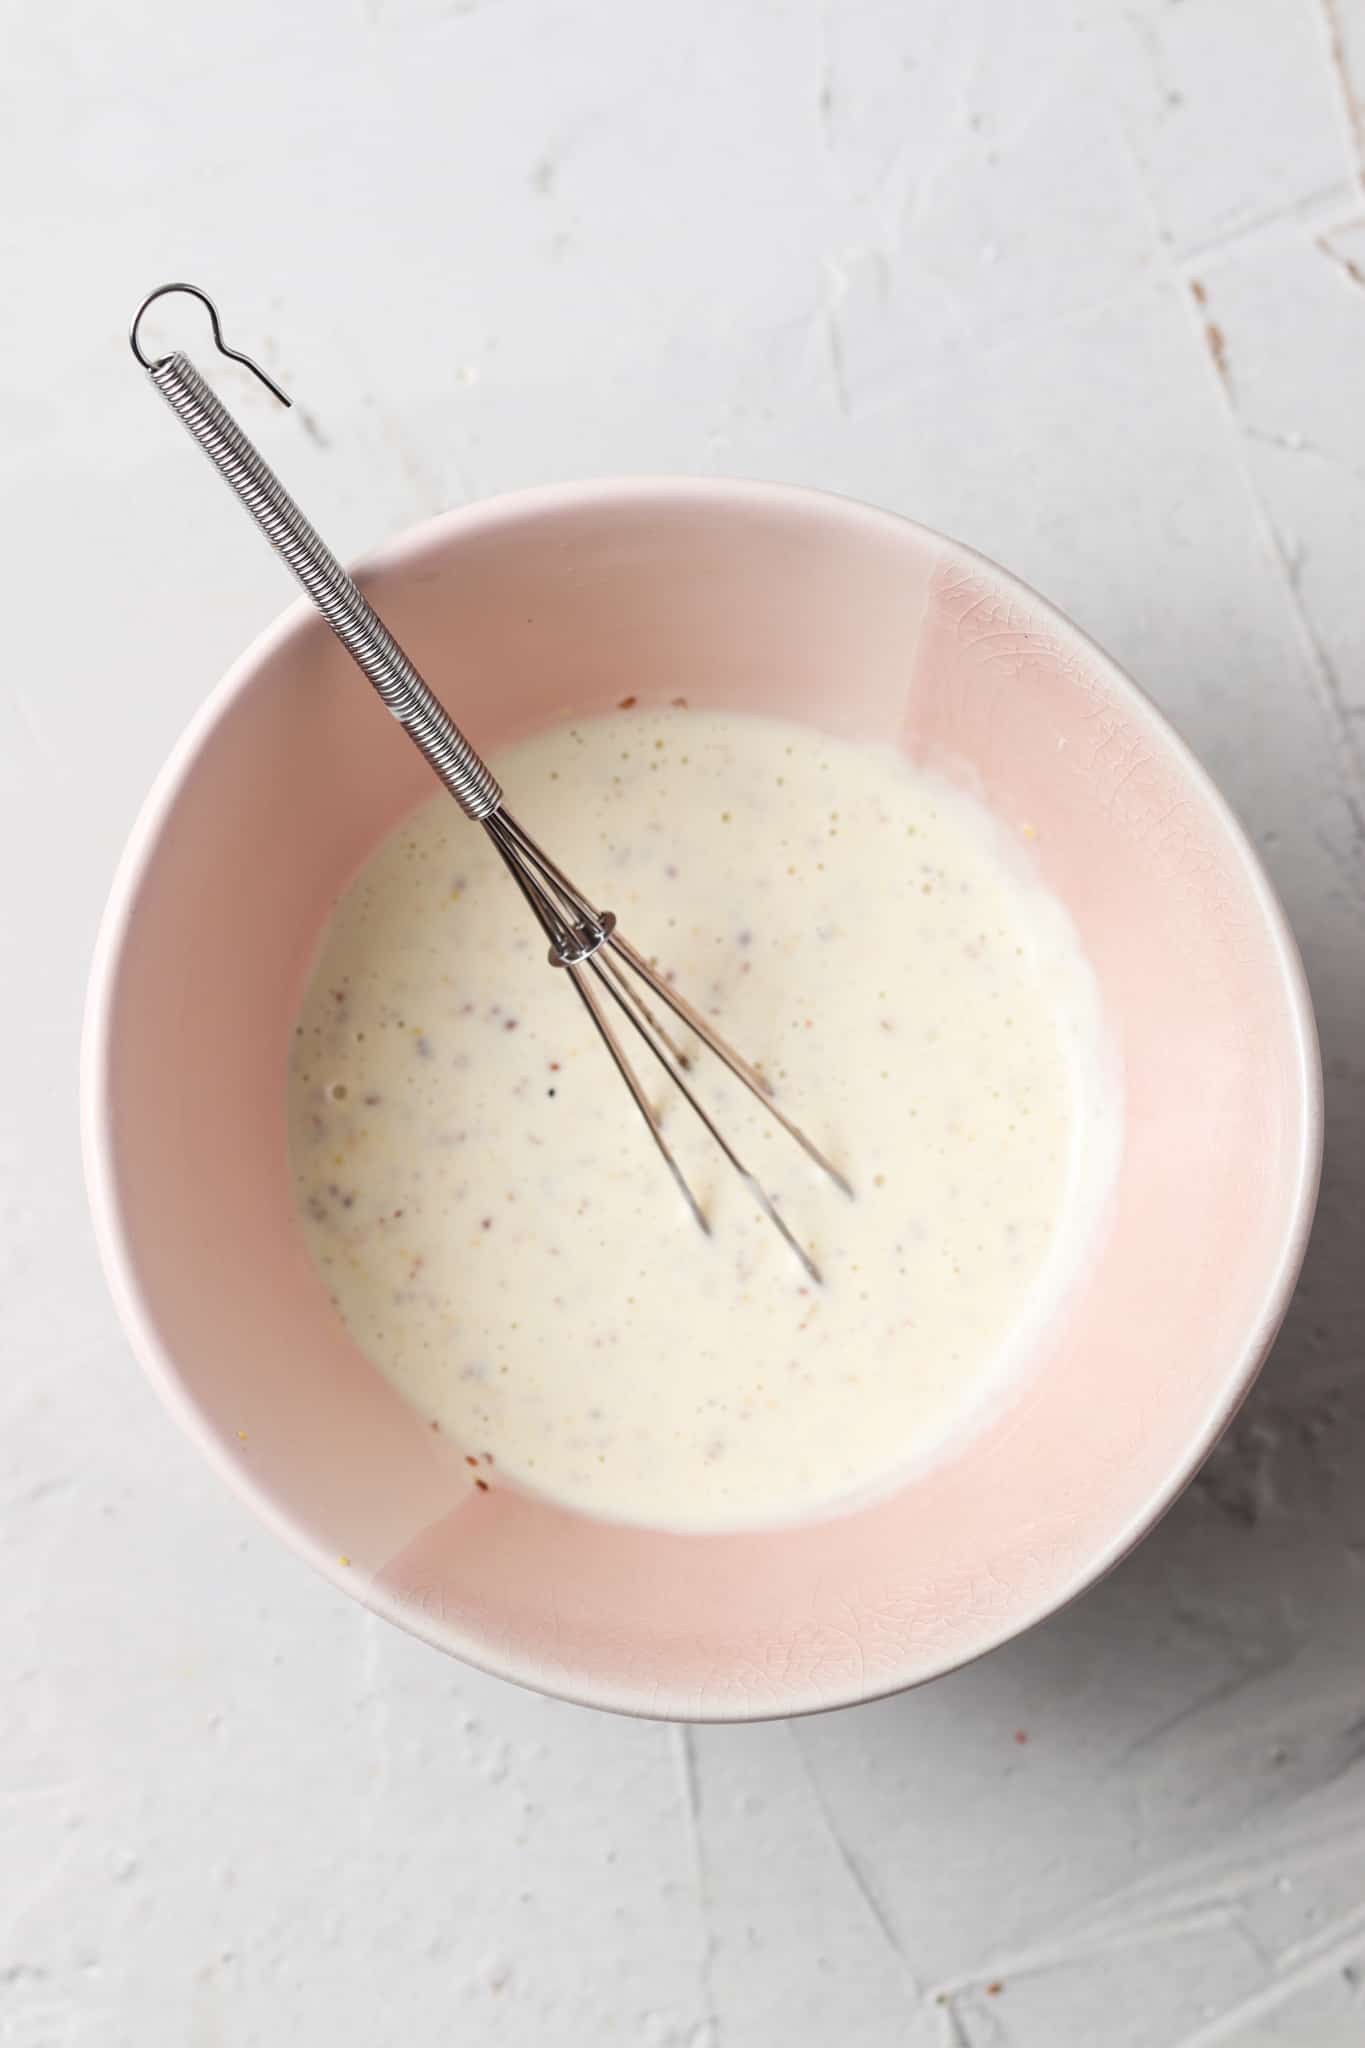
(604, 968)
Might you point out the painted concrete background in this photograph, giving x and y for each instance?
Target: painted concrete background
(1084, 285)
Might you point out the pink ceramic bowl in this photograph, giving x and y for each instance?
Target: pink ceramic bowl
(735, 595)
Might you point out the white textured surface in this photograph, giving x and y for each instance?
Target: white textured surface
(1084, 286)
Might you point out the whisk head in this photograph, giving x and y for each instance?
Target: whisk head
(611, 979)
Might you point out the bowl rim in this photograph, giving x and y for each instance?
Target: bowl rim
(653, 1701)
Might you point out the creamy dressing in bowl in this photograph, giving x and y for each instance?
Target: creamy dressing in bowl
(490, 1215)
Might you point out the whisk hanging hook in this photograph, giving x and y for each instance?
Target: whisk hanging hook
(235, 354)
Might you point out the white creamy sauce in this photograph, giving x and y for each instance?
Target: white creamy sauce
(488, 1210)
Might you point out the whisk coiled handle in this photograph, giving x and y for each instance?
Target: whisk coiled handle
(337, 596)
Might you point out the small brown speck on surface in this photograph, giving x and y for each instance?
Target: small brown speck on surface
(470, 1461)
(1218, 349)
(482, 1485)
(994, 1989)
(627, 703)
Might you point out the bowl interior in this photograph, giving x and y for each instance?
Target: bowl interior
(519, 613)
